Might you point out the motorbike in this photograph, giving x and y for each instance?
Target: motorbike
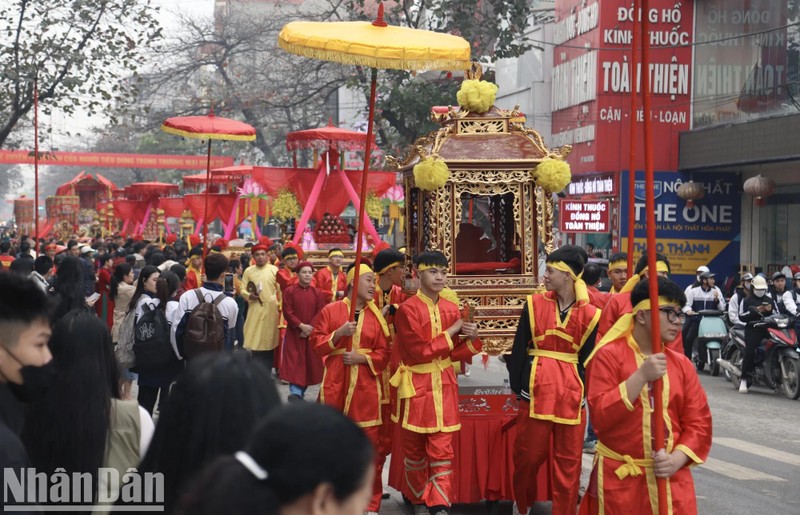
(777, 363)
(735, 341)
(712, 334)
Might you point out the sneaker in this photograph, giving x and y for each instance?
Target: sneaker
(743, 387)
(370, 513)
(438, 510)
(515, 510)
(294, 398)
(420, 509)
(589, 446)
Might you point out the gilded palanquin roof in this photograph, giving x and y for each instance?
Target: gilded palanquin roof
(495, 140)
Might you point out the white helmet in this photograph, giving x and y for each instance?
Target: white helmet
(759, 286)
(702, 269)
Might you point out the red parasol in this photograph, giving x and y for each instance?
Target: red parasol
(330, 137)
(208, 127)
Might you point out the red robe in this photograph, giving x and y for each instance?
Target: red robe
(618, 305)
(352, 389)
(598, 298)
(104, 303)
(426, 354)
(624, 431)
(299, 364)
(285, 278)
(192, 278)
(323, 279)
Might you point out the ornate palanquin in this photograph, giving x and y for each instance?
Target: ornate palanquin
(490, 218)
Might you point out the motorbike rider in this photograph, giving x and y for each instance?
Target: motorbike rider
(783, 297)
(754, 308)
(702, 297)
(700, 271)
(796, 290)
(735, 304)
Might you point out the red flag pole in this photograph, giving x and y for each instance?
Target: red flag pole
(649, 177)
(363, 196)
(36, 167)
(632, 160)
(205, 208)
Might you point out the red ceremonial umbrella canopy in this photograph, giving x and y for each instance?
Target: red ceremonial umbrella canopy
(208, 127)
(328, 137)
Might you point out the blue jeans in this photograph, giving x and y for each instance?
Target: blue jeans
(297, 390)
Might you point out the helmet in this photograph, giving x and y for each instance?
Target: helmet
(797, 276)
(702, 269)
(777, 275)
(759, 286)
(707, 275)
(747, 277)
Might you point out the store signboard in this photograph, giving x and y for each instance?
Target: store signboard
(583, 216)
(707, 233)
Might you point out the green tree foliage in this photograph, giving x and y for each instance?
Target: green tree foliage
(494, 28)
(78, 51)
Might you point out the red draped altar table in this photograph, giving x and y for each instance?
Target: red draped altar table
(484, 447)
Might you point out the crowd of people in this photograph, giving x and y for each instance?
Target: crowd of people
(385, 358)
(91, 319)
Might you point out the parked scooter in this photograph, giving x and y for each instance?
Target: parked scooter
(735, 341)
(712, 335)
(777, 363)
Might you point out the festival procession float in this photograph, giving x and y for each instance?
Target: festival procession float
(480, 189)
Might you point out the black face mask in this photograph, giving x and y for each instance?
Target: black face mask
(35, 381)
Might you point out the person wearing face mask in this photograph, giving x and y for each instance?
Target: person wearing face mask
(742, 292)
(26, 368)
(754, 308)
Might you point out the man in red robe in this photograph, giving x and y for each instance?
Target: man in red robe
(291, 255)
(620, 377)
(620, 303)
(331, 279)
(555, 335)
(301, 367)
(388, 297)
(430, 337)
(194, 270)
(355, 355)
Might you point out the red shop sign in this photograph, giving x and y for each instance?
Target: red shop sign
(585, 216)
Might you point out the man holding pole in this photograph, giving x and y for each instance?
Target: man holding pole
(620, 377)
(555, 335)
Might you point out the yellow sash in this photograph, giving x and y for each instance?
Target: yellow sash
(566, 357)
(402, 379)
(630, 466)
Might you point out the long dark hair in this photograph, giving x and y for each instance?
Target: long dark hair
(211, 410)
(146, 272)
(68, 287)
(300, 446)
(120, 271)
(68, 428)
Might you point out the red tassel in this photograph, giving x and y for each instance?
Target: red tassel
(485, 361)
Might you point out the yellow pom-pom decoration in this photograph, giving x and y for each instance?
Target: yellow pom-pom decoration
(285, 206)
(431, 173)
(476, 95)
(374, 207)
(450, 295)
(553, 175)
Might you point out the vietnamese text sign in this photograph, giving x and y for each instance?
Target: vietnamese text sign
(109, 160)
(584, 216)
(706, 233)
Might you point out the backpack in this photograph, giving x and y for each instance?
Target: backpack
(151, 345)
(205, 327)
(124, 348)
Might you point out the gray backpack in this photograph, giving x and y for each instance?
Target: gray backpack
(125, 339)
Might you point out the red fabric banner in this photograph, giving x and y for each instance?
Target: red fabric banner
(109, 160)
(130, 210)
(219, 205)
(172, 206)
(333, 198)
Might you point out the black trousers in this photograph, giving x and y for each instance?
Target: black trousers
(752, 339)
(690, 334)
(148, 395)
(267, 357)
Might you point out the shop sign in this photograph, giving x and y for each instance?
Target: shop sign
(585, 216)
(707, 233)
(596, 185)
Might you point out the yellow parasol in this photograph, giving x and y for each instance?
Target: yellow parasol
(376, 45)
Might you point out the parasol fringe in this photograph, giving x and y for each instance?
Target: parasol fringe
(204, 135)
(372, 61)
